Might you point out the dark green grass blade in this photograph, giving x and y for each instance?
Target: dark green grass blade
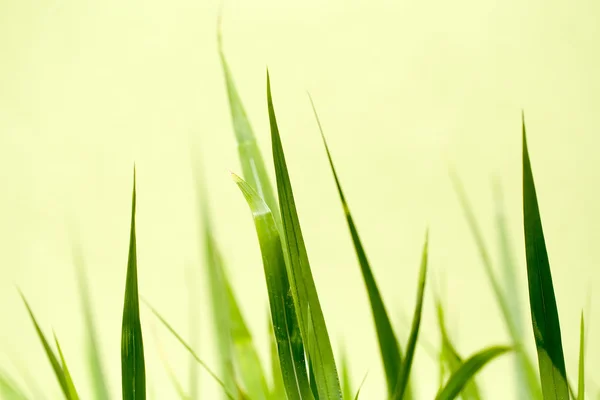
(9, 389)
(388, 343)
(544, 312)
(100, 386)
(54, 362)
(283, 315)
(246, 355)
(133, 374)
(221, 383)
(581, 380)
(300, 275)
(69, 380)
(468, 370)
(509, 305)
(403, 378)
(277, 388)
(346, 380)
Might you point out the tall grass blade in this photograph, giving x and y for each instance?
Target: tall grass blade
(133, 370)
(544, 313)
(277, 388)
(581, 380)
(403, 378)
(346, 380)
(467, 371)
(301, 280)
(283, 314)
(9, 389)
(70, 385)
(194, 335)
(388, 343)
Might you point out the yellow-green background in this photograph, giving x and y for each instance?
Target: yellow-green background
(404, 89)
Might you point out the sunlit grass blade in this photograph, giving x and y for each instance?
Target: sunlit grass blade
(194, 312)
(509, 304)
(191, 351)
(167, 366)
(544, 312)
(277, 387)
(69, 380)
(283, 315)
(581, 374)
(54, 362)
(246, 355)
(133, 370)
(9, 389)
(362, 383)
(403, 377)
(388, 343)
(100, 386)
(467, 371)
(345, 377)
(301, 280)
(310, 345)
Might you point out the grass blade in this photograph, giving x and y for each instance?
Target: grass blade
(133, 374)
(581, 380)
(301, 281)
(467, 370)
(194, 312)
(9, 389)
(346, 381)
(544, 313)
(277, 389)
(403, 378)
(283, 315)
(360, 387)
(70, 385)
(388, 343)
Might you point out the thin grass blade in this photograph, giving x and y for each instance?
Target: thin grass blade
(467, 371)
(403, 378)
(9, 389)
(277, 388)
(544, 312)
(133, 370)
(301, 281)
(346, 380)
(194, 312)
(360, 387)
(388, 343)
(581, 380)
(283, 314)
(70, 385)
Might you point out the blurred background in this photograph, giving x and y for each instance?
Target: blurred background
(405, 90)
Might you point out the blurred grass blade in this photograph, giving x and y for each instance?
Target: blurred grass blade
(301, 280)
(360, 387)
(69, 380)
(54, 362)
(388, 343)
(289, 343)
(509, 305)
(405, 368)
(346, 380)
(581, 380)
(468, 370)
(544, 313)
(191, 351)
(250, 367)
(167, 366)
(9, 389)
(193, 305)
(133, 374)
(277, 390)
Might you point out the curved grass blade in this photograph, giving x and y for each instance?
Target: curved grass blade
(544, 313)
(467, 370)
(360, 387)
(581, 380)
(292, 362)
(133, 370)
(301, 281)
(9, 389)
(388, 343)
(403, 378)
(191, 351)
(70, 385)
(56, 365)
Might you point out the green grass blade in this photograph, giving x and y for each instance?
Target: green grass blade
(403, 378)
(310, 345)
(246, 356)
(277, 388)
(544, 312)
(301, 280)
(133, 374)
(388, 343)
(221, 383)
(360, 387)
(467, 371)
(194, 312)
(346, 380)
(581, 380)
(54, 362)
(283, 315)
(9, 389)
(69, 380)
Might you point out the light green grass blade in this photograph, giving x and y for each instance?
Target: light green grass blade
(581, 380)
(100, 386)
(360, 387)
(9, 389)
(544, 313)
(246, 356)
(70, 385)
(167, 366)
(194, 312)
(301, 280)
(346, 380)
(221, 383)
(277, 388)
(54, 362)
(403, 378)
(388, 343)
(283, 315)
(467, 371)
(133, 370)
(311, 342)
(509, 305)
